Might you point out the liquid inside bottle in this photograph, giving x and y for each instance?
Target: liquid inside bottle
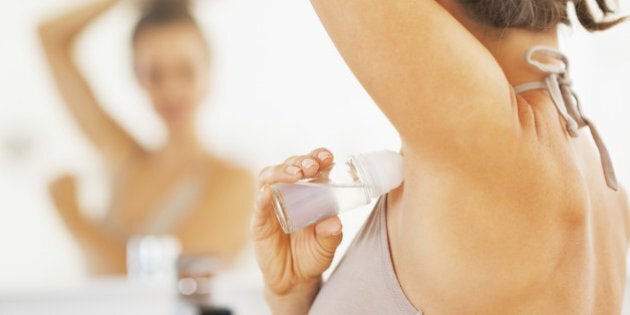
(301, 204)
(337, 189)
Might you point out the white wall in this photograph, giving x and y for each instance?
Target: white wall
(280, 88)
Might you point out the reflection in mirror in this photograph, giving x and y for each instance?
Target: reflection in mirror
(180, 200)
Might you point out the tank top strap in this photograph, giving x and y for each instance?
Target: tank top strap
(558, 84)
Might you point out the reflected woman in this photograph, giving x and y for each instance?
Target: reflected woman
(180, 189)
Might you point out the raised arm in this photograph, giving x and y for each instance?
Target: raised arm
(434, 80)
(58, 36)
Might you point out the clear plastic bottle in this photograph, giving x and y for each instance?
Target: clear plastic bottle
(365, 177)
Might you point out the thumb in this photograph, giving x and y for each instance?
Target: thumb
(329, 234)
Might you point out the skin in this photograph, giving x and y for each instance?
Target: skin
(171, 63)
(500, 209)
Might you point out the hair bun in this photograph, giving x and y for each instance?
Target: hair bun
(162, 12)
(540, 15)
(165, 7)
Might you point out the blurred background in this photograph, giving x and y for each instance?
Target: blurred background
(279, 88)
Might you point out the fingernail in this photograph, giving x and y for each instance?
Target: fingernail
(323, 155)
(308, 163)
(330, 229)
(259, 196)
(292, 170)
(336, 230)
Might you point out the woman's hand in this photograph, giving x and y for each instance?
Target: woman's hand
(292, 264)
(63, 193)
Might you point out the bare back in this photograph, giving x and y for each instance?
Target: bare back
(523, 256)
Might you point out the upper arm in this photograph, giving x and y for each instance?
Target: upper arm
(114, 143)
(625, 201)
(437, 84)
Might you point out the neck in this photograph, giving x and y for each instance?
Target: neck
(509, 52)
(508, 46)
(183, 141)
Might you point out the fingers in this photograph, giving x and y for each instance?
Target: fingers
(63, 183)
(296, 167)
(279, 173)
(329, 234)
(307, 165)
(264, 223)
(329, 227)
(63, 190)
(63, 193)
(323, 156)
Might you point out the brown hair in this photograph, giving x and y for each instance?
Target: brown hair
(539, 15)
(163, 12)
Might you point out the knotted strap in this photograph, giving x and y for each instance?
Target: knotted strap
(558, 83)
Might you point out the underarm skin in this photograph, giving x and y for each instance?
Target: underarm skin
(437, 84)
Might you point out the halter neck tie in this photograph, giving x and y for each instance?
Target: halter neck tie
(558, 83)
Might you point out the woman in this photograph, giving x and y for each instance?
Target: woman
(180, 189)
(507, 207)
